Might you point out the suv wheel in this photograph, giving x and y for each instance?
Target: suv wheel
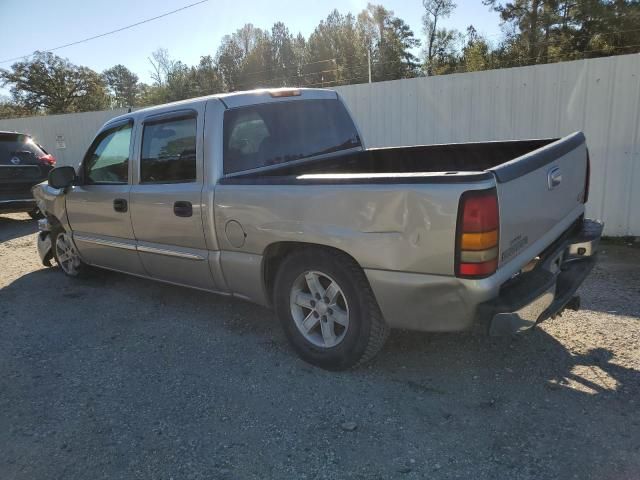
(66, 254)
(328, 310)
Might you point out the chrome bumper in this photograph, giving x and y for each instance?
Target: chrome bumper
(545, 291)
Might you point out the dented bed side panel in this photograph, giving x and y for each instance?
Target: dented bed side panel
(408, 228)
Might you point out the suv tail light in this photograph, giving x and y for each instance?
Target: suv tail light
(47, 159)
(477, 234)
(587, 180)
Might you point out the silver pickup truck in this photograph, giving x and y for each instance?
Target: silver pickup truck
(271, 196)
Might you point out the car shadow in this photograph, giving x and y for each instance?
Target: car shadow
(15, 226)
(533, 357)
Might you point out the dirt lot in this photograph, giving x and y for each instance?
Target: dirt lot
(117, 377)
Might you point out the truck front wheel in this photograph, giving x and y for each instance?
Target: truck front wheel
(65, 253)
(328, 310)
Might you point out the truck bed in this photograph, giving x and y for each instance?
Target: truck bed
(401, 163)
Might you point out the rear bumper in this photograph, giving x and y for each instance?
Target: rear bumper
(17, 205)
(437, 303)
(545, 291)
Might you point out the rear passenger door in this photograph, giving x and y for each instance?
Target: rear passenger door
(166, 198)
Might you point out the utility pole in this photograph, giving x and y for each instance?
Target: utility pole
(369, 62)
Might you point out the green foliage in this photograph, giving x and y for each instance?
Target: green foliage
(544, 31)
(123, 86)
(48, 83)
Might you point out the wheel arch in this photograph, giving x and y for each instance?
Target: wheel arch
(275, 253)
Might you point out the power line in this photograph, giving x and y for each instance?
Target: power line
(111, 32)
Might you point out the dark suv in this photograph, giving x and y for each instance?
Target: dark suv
(23, 164)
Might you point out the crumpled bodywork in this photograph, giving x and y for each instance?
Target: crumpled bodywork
(51, 203)
(407, 228)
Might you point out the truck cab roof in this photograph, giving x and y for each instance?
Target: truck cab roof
(241, 99)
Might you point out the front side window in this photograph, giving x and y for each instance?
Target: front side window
(107, 162)
(169, 151)
(274, 133)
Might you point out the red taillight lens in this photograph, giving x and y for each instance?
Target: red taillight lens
(477, 234)
(47, 159)
(587, 180)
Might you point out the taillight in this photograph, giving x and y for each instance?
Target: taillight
(587, 180)
(47, 159)
(477, 234)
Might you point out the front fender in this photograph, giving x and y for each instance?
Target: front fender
(51, 202)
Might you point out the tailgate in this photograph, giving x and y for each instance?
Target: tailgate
(539, 195)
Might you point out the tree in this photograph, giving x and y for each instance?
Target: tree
(335, 54)
(161, 65)
(542, 31)
(396, 48)
(284, 70)
(8, 109)
(207, 77)
(123, 86)
(476, 53)
(390, 41)
(230, 59)
(48, 83)
(438, 39)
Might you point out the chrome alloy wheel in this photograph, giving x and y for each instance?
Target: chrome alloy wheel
(67, 255)
(319, 309)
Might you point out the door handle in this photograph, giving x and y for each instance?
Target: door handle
(183, 209)
(120, 205)
(554, 178)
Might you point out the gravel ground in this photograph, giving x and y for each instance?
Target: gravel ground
(117, 377)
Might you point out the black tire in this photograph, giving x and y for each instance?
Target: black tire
(367, 331)
(82, 267)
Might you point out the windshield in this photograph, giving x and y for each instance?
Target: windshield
(274, 133)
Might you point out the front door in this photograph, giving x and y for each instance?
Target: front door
(166, 199)
(98, 208)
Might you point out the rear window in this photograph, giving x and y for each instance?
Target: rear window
(274, 133)
(19, 145)
(169, 151)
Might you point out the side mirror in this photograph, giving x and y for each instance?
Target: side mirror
(62, 177)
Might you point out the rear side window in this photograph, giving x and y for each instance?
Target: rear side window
(280, 132)
(107, 161)
(18, 145)
(169, 151)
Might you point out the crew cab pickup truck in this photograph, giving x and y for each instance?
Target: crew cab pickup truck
(272, 196)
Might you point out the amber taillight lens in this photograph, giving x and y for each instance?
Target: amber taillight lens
(478, 233)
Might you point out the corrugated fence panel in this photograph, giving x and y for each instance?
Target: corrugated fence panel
(601, 97)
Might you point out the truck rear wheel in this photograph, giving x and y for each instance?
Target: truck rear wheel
(327, 309)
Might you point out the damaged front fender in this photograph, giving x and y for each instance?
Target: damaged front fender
(45, 249)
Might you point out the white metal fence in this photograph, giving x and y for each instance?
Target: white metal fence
(66, 136)
(600, 97)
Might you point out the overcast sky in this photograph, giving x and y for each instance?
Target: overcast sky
(29, 25)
